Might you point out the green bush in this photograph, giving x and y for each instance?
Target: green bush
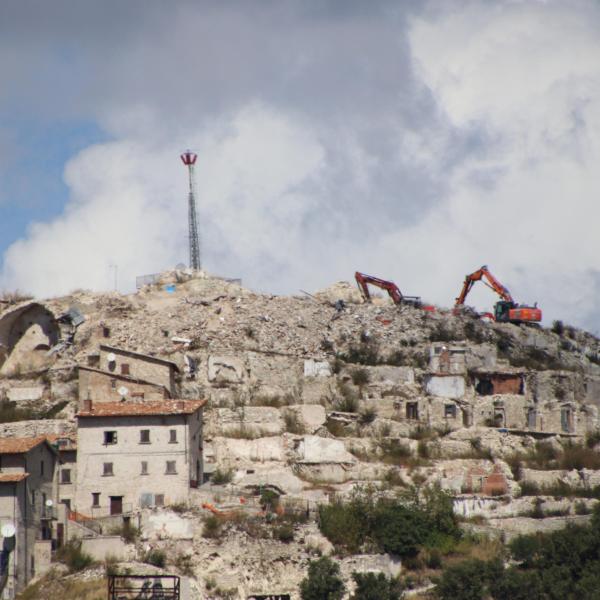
(360, 377)
(396, 525)
(212, 527)
(467, 580)
(74, 557)
(156, 557)
(221, 477)
(376, 586)
(284, 533)
(323, 581)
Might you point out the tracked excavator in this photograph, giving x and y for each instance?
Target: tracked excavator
(390, 287)
(506, 310)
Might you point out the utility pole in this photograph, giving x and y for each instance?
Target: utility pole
(189, 159)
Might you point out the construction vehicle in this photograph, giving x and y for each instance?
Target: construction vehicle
(390, 287)
(506, 310)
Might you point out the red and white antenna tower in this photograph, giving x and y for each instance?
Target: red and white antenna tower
(189, 159)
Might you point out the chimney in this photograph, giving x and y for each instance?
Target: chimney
(87, 405)
(180, 405)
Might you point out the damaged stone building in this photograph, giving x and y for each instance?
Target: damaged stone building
(136, 454)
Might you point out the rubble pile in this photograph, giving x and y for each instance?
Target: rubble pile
(312, 396)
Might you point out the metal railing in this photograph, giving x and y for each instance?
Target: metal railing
(144, 587)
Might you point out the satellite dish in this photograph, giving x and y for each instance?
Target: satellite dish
(49, 503)
(111, 358)
(8, 530)
(123, 391)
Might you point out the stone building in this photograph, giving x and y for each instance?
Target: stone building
(136, 454)
(139, 366)
(27, 332)
(66, 476)
(106, 386)
(27, 496)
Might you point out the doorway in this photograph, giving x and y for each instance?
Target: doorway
(116, 505)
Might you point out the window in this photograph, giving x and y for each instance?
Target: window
(159, 500)
(42, 467)
(172, 436)
(124, 368)
(171, 467)
(110, 437)
(144, 467)
(67, 503)
(33, 497)
(95, 498)
(412, 410)
(65, 476)
(107, 470)
(450, 411)
(144, 436)
(113, 384)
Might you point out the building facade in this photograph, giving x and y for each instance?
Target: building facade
(136, 454)
(27, 497)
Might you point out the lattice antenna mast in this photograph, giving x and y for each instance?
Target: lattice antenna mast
(189, 159)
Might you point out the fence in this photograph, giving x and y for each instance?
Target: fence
(144, 587)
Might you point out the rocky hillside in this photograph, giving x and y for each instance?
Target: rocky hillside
(311, 399)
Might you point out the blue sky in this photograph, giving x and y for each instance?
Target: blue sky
(413, 141)
(32, 175)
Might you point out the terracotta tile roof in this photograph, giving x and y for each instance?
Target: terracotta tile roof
(135, 409)
(12, 477)
(20, 445)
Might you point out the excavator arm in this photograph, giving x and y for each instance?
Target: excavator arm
(488, 279)
(390, 287)
(506, 309)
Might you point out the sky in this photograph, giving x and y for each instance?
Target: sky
(415, 141)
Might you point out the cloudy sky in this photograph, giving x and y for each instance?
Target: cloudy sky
(412, 140)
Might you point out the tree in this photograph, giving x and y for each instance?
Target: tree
(323, 581)
(371, 586)
(399, 530)
(513, 584)
(465, 581)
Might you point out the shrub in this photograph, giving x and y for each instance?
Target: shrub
(212, 527)
(323, 581)
(376, 586)
(367, 416)
(579, 457)
(395, 452)
(269, 499)
(284, 533)
(183, 562)
(127, 531)
(222, 477)
(360, 377)
(347, 404)
(74, 557)
(581, 508)
(365, 353)
(467, 580)
(156, 557)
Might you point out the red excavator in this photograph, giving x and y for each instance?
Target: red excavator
(390, 287)
(506, 310)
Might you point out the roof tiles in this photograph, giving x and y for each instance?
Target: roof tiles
(138, 409)
(20, 445)
(12, 477)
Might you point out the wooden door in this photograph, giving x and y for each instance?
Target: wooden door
(116, 505)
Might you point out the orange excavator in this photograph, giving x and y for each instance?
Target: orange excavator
(506, 310)
(390, 287)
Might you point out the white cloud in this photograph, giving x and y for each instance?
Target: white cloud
(321, 151)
